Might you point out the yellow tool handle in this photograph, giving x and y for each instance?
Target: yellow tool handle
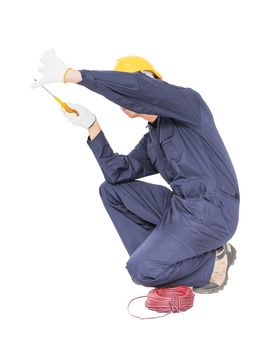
(65, 106)
(68, 109)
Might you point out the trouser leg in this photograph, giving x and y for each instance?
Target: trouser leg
(135, 208)
(159, 239)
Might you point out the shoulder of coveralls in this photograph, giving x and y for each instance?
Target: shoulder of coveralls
(185, 104)
(189, 111)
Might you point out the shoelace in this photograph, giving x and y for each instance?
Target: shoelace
(167, 299)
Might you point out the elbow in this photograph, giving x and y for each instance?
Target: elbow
(117, 180)
(110, 180)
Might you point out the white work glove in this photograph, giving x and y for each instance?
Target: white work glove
(53, 69)
(85, 118)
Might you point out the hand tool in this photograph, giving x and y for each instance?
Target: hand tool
(63, 104)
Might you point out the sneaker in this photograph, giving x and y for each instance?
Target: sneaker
(225, 257)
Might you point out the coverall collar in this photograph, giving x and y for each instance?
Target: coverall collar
(154, 124)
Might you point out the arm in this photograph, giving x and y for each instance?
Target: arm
(94, 130)
(134, 91)
(116, 167)
(139, 93)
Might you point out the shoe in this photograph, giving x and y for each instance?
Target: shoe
(225, 257)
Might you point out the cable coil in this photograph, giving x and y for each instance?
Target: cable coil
(168, 300)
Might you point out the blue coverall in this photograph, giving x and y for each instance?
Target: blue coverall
(170, 236)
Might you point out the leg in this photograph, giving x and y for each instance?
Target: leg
(135, 208)
(181, 249)
(166, 259)
(167, 242)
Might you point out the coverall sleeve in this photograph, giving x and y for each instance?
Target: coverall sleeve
(121, 168)
(142, 94)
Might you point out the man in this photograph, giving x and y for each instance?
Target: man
(176, 237)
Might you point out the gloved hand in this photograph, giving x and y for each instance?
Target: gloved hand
(85, 118)
(53, 69)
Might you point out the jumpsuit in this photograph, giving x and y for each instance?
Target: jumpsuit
(171, 236)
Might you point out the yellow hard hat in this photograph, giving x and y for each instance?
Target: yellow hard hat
(133, 64)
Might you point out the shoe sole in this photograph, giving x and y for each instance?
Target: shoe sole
(232, 257)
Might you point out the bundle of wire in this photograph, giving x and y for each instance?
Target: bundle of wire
(167, 300)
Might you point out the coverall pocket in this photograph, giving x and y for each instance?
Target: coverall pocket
(151, 154)
(202, 209)
(170, 149)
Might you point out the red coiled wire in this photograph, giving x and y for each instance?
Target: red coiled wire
(168, 300)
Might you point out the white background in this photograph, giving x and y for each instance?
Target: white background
(63, 282)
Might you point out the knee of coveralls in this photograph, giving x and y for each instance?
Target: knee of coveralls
(145, 272)
(104, 189)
